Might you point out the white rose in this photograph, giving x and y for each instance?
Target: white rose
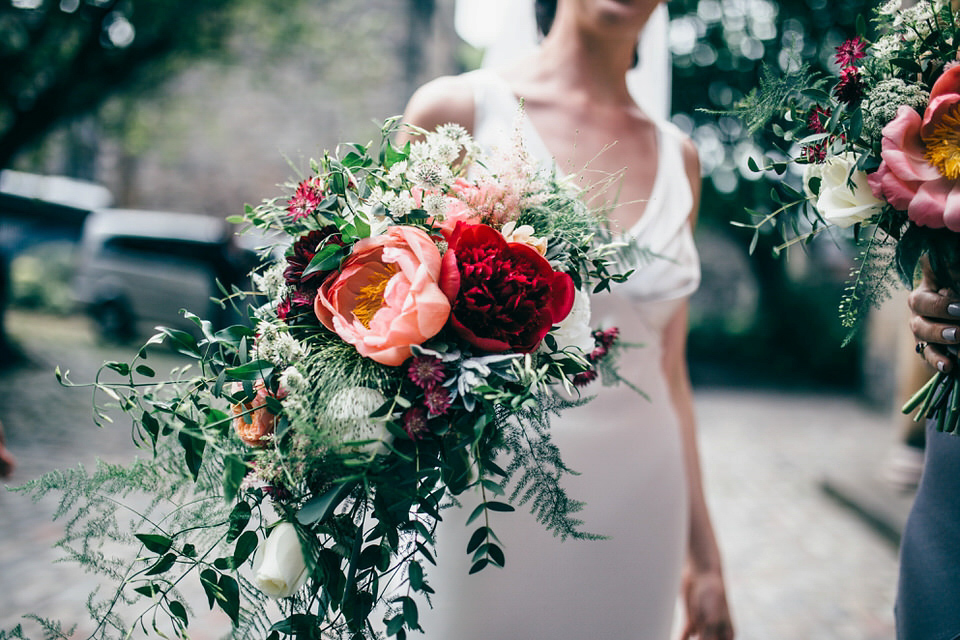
(575, 330)
(837, 202)
(349, 410)
(279, 569)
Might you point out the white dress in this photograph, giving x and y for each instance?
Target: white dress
(627, 449)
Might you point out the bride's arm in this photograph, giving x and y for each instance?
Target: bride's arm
(708, 616)
(440, 101)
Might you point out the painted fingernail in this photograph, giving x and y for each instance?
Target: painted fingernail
(949, 334)
(954, 309)
(941, 366)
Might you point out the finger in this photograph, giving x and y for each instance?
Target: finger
(939, 358)
(934, 304)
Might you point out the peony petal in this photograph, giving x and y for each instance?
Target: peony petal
(948, 82)
(937, 108)
(927, 207)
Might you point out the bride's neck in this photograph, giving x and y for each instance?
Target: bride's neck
(582, 64)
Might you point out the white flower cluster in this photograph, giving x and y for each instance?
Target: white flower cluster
(883, 100)
(271, 282)
(276, 345)
(431, 158)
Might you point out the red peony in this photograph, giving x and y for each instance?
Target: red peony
(505, 295)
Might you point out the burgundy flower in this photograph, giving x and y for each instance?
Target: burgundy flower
(818, 118)
(851, 86)
(505, 295)
(415, 422)
(306, 199)
(426, 371)
(815, 153)
(851, 51)
(584, 378)
(303, 251)
(608, 337)
(437, 398)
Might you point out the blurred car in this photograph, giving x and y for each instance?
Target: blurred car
(138, 269)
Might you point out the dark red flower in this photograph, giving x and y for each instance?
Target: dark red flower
(851, 51)
(426, 371)
(415, 422)
(818, 118)
(306, 199)
(505, 295)
(437, 398)
(584, 378)
(850, 88)
(815, 153)
(303, 251)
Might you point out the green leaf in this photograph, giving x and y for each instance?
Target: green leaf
(253, 370)
(327, 259)
(229, 599)
(496, 555)
(144, 370)
(193, 452)
(234, 471)
(478, 566)
(185, 343)
(415, 573)
(239, 518)
(503, 507)
(478, 538)
(246, 544)
(149, 590)
(320, 508)
(156, 543)
(208, 580)
(162, 565)
(120, 367)
(410, 614)
(177, 609)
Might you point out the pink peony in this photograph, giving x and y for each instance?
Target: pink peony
(920, 172)
(386, 297)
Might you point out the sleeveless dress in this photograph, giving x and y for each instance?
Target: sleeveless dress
(928, 595)
(627, 449)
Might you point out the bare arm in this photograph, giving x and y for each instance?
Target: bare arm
(708, 616)
(443, 100)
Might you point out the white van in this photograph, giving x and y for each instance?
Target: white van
(138, 269)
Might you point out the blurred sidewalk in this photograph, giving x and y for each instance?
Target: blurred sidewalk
(799, 563)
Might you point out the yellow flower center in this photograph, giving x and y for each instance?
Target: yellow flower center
(370, 298)
(943, 146)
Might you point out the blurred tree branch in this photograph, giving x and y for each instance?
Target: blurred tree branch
(63, 60)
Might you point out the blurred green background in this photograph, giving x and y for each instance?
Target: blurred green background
(205, 105)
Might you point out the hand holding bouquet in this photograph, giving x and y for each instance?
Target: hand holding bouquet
(414, 323)
(880, 149)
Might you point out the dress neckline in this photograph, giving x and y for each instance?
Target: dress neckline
(533, 137)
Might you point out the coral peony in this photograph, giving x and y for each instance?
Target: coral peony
(506, 294)
(920, 172)
(386, 297)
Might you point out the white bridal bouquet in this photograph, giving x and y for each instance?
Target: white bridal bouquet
(408, 339)
(880, 148)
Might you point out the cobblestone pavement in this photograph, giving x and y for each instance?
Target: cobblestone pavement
(799, 566)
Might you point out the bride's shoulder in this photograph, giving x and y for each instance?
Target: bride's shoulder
(442, 100)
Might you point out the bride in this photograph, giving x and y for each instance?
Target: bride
(640, 476)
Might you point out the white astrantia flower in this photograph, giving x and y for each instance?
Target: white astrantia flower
(271, 282)
(401, 205)
(279, 567)
(454, 132)
(293, 380)
(444, 149)
(348, 413)
(394, 177)
(435, 204)
(430, 174)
